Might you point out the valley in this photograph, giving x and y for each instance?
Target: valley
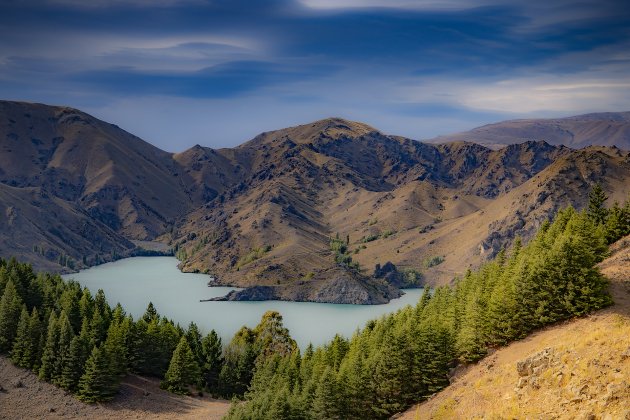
(76, 191)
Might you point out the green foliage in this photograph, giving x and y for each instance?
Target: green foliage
(212, 360)
(97, 383)
(10, 310)
(252, 256)
(183, 370)
(433, 261)
(342, 256)
(596, 210)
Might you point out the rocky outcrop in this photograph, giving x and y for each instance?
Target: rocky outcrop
(255, 293)
(343, 289)
(531, 368)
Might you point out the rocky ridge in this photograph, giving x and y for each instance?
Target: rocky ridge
(265, 213)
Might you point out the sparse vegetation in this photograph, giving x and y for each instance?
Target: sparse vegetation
(253, 255)
(432, 261)
(342, 257)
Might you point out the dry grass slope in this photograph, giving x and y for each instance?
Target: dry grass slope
(24, 396)
(584, 368)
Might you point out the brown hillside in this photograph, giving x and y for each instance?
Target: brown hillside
(263, 213)
(585, 371)
(603, 129)
(413, 201)
(24, 396)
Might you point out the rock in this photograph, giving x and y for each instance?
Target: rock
(534, 365)
(626, 354)
(524, 368)
(522, 382)
(255, 293)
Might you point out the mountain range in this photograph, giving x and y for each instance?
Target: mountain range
(309, 213)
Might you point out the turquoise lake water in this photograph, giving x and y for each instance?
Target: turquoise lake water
(134, 282)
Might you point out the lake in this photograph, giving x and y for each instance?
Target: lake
(134, 282)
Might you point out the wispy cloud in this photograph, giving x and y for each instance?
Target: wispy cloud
(390, 63)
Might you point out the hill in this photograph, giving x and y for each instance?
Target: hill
(584, 367)
(599, 129)
(301, 213)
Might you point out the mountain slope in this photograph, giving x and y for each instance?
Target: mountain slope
(120, 180)
(585, 367)
(263, 213)
(601, 129)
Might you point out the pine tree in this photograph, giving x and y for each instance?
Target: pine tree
(183, 370)
(211, 350)
(617, 224)
(20, 354)
(63, 346)
(325, 399)
(97, 383)
(194, 341)
(10, 310)
(150, 314)
(37, 340)
(98, 326)
(596, 210)
(49, 354)
(116, 345)
(75, 360)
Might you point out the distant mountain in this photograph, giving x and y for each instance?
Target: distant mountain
(265, 215)
(600, 129)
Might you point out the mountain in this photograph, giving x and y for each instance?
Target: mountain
(309, 213)
(600, 129)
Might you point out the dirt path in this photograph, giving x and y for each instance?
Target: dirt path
(588, 376)
(26, 397)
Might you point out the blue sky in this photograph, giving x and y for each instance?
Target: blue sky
(218, 72)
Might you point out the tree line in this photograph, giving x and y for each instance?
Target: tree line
(78, 342)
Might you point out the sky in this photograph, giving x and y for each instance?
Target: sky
(217, 72)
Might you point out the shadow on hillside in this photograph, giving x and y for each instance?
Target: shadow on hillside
(144, 394)
(617, 269)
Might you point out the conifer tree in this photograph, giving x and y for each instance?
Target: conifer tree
(183, 370)
(75, 360)
(98, 326)
(65, 335)
(212, 357)
(116, 347)
(194, 341)
(20, 354)
(596, 210)
(97, 383)
(26, 345)
(325, 399)
(10, 310)
(86, 304)
(49, 354)
(150, 314)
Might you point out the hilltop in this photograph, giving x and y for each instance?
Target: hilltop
(76, 191)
